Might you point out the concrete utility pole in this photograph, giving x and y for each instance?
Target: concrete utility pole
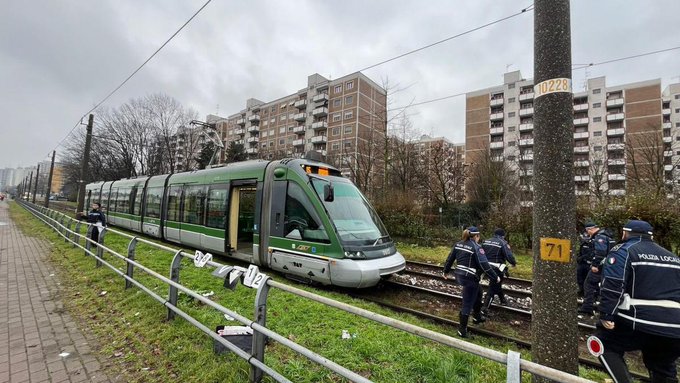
(35, 187)
(554, 323)
(30, 183)
(49, 181)
(86, 160)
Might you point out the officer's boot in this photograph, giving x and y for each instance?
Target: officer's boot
(477, 317)
(488, 298)
(504, 301)
(462, 327)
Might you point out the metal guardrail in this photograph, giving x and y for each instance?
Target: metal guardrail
(252, 278)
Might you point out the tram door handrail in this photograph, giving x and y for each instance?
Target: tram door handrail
(62, 224)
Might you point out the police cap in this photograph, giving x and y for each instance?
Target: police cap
(473, 230)
(590, 224)
(499, 232)
(636, 226)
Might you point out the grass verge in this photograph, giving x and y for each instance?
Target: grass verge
(142, 346)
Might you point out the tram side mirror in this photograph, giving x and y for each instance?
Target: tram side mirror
(328, 194)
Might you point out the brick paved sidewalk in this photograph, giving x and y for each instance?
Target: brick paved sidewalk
(35, 332)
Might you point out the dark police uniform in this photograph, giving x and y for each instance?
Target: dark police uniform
(498, 253)
(641, 295)
(470, 264)
(96, 216)
(598, 247)
(582, 262)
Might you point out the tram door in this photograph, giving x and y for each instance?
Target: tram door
(242, 219)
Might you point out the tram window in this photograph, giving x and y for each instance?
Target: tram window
(174, 195)
(123, 201)
(87, 202)
(137, 200)
(194, 202)
(113, 206)
(301, 220)
(153, 202)
(217, 206)
(105, 200)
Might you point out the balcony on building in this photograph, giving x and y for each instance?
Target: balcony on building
(299, 129)
(496, 100)
(321, 97)
(581, 164)
(254, 118)
(526, 187)
(299, 142)
(240, 131)
(239, 142)
(241, 121)
(581, 135)
(526, 157)
(319, 139)
(320, 125)
(526, 203)
(667, 125)
(526, 127)
(526, 111)
(496, 131)
(581, 121)
(668, 139)
(667, 153)
(497, 158)
(617, 192)
(300, 104)
(322, 151)
(613, 147)
(300, 116)
(582, 178)
(615, 102)
(582, 192)
(526, 172)
(496, 145)
(615, 132)
(253, 139)
(668, 167)
(615, 117)
(526, 95)
(666, 111)
(526, 142)
(253, 129)
(581, 106)
(320, 112)
(496, 116)
(251, 150)
(616, 177)
(581, 149)
(616, 161)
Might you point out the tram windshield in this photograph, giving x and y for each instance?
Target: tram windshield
(354, 218)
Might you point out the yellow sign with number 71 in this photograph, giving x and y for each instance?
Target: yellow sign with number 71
(555, 249)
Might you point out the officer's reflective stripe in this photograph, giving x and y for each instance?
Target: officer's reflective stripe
(499, 266)
(465, 268)
(660, 324)
(647, 302)
(492, 244)
(655, 264)
(465, 250)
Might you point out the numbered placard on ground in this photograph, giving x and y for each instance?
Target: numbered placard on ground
(556, 249)
(253, 278)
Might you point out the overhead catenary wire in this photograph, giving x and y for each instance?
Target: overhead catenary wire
(522, 11)
(111, 93)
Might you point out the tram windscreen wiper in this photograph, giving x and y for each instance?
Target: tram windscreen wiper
(379, 238)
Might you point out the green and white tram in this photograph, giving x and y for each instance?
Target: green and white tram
(299, 217)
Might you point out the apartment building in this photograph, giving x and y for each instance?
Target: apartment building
(614, 128)
(188, 143)
(342, 119)
(445, 164)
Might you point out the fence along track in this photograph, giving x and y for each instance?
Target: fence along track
(512, 359)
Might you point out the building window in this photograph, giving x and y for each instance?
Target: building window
(597, 105)
(336, 131)
(264, 134)
(511, 114)
(335, 146)
(265, 123)
(337, 102)
(597, 119)
(597, 134)
(283, 117)
(677, 110)
(597, 91)
(511, 86)
(337, 117)
(677, 138)
(337, 89)
(511, 158)
(282, 141)
(350, 99)
(511, 143)
(282, 130)
(348, 129)
(511, 100)
(349, 114)
(511, 129)
(677, 96)
(273, 120)
(349, 85)
(677, 124)
(271, 143)
(597, 148)
(348, 144)
(273, 109)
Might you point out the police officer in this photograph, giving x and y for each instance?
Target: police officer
(598, 246)
(498, 253)
(470, 264)
(582, 261)
(640, 305)
(98, 220)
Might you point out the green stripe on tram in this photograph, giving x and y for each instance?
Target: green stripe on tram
(213, 232)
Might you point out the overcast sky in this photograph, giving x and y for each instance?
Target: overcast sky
(59, 58)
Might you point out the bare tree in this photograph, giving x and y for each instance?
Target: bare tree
(403, 164)
(645, 170)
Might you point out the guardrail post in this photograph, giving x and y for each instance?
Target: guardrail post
(131, 256)
(514, 373)
(88, 235)
(76, 235)
(174, 276)
(66, 231)
(259, 339)
(100, 249)
(61, 224)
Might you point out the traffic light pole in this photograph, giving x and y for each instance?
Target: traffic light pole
(554, 322)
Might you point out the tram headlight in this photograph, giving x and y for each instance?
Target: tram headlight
(355, 255)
